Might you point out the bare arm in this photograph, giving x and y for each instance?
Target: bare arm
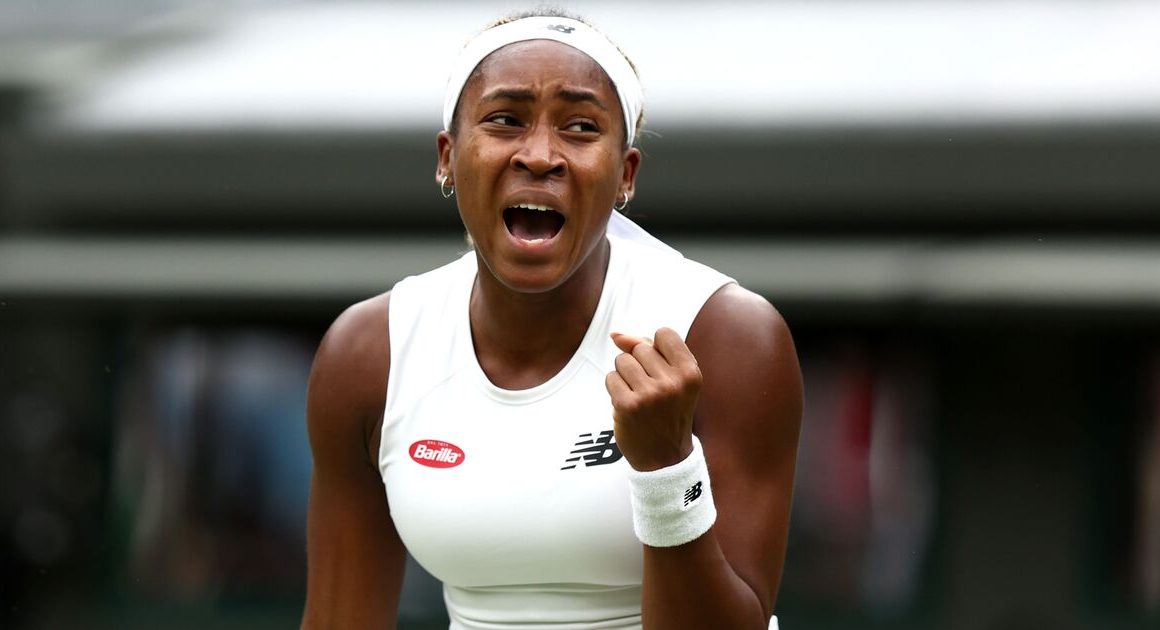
(354, 555)
(743, 400)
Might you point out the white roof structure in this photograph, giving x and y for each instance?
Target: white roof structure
(845, 62)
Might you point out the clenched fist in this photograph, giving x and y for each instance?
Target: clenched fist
(654, 391)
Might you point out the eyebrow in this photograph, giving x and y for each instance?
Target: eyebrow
(524, 95)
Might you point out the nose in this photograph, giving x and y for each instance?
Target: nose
(538, 155)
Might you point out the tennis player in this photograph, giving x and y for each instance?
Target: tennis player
(572, 426)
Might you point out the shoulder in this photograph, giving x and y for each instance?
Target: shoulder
(736, 316)
(752, 387)
(359, 320)
(348, 381)
(359, 338)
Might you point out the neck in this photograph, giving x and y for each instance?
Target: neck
(523, 339)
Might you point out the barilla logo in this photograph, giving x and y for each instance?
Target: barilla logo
(437, 453)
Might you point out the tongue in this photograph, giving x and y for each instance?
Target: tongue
(531, 225)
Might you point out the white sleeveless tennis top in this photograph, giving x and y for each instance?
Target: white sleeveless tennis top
(517, 500)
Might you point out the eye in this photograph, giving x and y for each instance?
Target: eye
(582, 126)
(506, 120)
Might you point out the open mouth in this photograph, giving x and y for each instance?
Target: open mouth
(533, 223)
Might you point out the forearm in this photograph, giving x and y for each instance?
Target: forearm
(694, 586)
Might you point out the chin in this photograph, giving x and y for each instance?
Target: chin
(531, 268)
(531, 279)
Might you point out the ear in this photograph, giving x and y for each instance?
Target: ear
(443, 146)
(632, 159)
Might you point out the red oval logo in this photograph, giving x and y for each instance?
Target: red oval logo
(437, 453)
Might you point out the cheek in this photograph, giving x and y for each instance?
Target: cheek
(471, 154)
(465, 159)
(613, 161)
(605, 172)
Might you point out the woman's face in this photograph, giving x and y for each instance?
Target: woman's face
(537, 160)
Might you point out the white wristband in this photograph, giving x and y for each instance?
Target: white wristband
(674, 505)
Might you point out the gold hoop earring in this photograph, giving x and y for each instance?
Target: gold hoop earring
(444, 190)
(623, 204)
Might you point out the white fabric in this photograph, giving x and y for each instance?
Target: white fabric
(564, 30)
(626, 228)
(529, 521)
(673, 505)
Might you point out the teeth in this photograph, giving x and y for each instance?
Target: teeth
(532, 206)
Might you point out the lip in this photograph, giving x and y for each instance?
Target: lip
(535, 197)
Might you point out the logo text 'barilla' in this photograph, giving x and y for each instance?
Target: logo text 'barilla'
(437, 453)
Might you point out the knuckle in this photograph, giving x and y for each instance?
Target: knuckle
(667, 394)
(629, 405)
(691, 373)
(684, 384)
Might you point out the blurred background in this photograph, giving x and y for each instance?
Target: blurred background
(956, 205)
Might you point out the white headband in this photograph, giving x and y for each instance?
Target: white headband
(564, 30)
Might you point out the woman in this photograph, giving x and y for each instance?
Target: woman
(545, 412)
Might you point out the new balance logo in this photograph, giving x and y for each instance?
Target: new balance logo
(593, 451)
(693, 493)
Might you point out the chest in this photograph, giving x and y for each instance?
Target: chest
(485, 492)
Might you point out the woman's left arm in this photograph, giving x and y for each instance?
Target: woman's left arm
(736, 384)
